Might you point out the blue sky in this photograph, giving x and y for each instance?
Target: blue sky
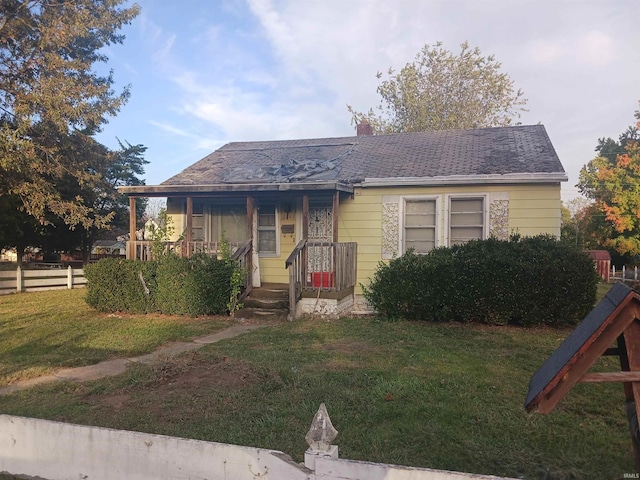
(204, 73)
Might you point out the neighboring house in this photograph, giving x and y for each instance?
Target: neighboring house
(108, 247)
(150, 226)
(378, 195)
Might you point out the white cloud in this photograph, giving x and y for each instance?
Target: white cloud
(171, 129)
(165, 50)
(593, 49)
(149, 30)
(596, 49)
(544, 51)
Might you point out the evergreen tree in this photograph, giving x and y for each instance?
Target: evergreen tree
(52, 100)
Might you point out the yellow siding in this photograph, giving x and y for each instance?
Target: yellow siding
(175, 215)
(272, 269)
(533, 210)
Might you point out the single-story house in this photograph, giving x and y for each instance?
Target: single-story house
(108, 247)
(320, 214)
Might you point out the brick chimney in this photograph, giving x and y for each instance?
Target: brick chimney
(364, 128)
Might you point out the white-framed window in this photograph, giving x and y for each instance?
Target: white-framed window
(420, 221)
(466, 219)
(267, 231)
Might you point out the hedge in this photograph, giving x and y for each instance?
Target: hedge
(526, 281)
(200, 285)
(118, 285)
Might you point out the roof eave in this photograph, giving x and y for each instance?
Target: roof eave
(496, 179)
(221, 188)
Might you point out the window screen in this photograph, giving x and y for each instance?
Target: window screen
(420, 225)
(267, 229)
(466, 220)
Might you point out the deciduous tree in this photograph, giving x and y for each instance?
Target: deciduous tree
(440, 90)
(583, 225)
(615, 188)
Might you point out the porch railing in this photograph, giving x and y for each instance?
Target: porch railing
(142, 249)
(244, 257)
(328, 266)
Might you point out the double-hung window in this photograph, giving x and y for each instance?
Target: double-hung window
(267, 229)
(466, 219)
(420, 225)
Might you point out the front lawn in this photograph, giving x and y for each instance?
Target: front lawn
(41, 332)
(445, 396)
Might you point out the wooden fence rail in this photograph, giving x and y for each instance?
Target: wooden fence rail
(22, 280)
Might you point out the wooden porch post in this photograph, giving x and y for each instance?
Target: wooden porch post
(305, 236)
(250, 207)
(334, 248)
(189, 233)
(131, 253)
(305, 217)
(336, 209)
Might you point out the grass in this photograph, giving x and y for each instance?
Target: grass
(445, 396)
(45, 331)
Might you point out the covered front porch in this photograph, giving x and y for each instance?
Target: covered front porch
(280, 234)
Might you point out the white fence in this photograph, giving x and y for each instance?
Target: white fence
(23, 280)
(624, 274)
(57, 451)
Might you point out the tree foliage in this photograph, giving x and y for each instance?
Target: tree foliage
(52, 100)
(440, 90)
(576, 226)
(614, 185)
(122, 167)
(99, 192)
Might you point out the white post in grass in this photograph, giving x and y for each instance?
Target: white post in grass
(69, 277)
(18, 279)
(319, 438)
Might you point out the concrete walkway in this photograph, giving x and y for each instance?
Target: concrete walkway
(110, 368)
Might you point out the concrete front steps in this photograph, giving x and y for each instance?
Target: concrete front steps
(271, 300)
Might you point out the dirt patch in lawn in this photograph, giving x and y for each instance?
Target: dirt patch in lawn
(189, 374)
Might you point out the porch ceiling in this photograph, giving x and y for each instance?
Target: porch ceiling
(245, 188)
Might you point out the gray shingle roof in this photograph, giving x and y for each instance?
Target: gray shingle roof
(483, 151)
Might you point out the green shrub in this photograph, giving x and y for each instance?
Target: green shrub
(200, 285)
(525, 281)
(116, 285)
